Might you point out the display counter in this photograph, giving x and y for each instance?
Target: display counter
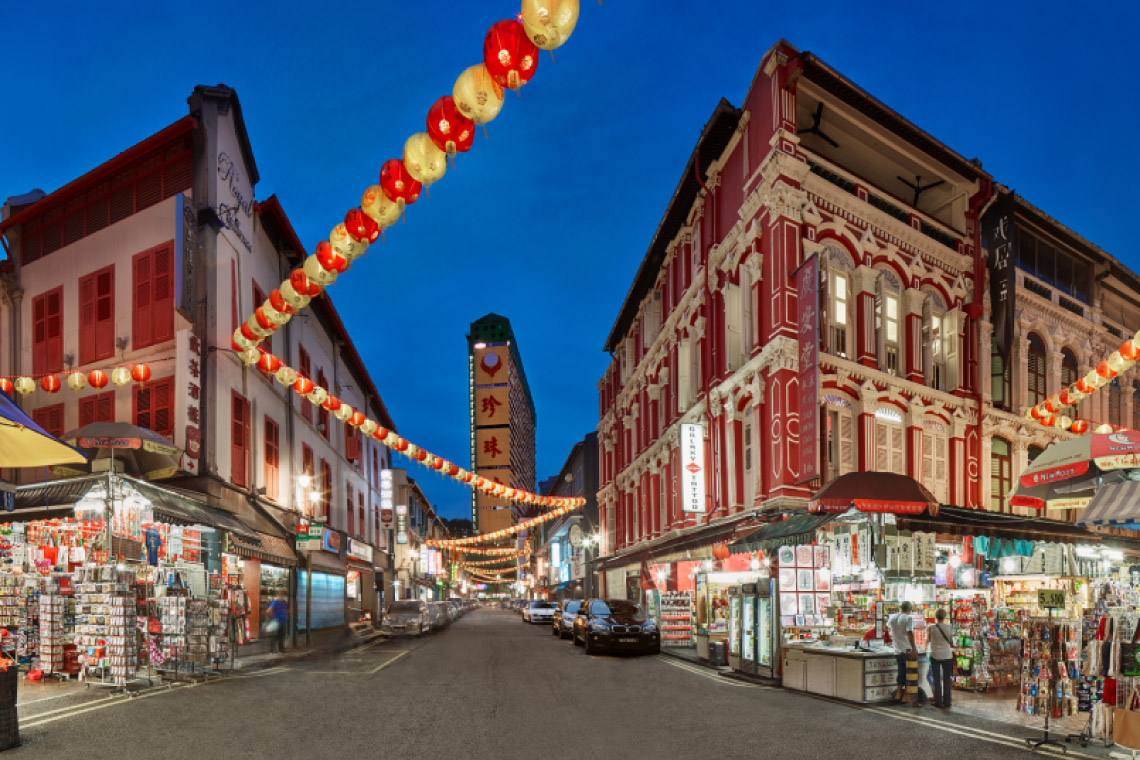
(856, 676)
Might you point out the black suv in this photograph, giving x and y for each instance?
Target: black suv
(613, 625)
(562, 625)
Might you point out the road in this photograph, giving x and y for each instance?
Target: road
(494, 687)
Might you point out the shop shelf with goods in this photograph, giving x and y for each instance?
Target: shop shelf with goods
(1020, 592)
(676, 619)
(1050, 667)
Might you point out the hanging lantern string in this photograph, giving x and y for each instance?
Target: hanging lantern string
(1049, 412)
(286, 375)
(505, 532)
(510, 58)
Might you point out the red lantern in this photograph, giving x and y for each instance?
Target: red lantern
(1051, 406)
(357, 419)
(6, 386)
(509, 55)
(420, 455)
(97, 378)
(304, 386)
(1064, 397)
(268, 363)
(1048, 420)
(50, 383)
(380, 433)
(397, 184)
(1083, 386)
(1034, 412)
(1129, 350)
(303, 285)
(438, 464)
(329, 258)
(140, 373)
(720, 551)
(332, 403)
(277, 301)
(453, 470)
(1105, 371)
(1079, 426)
(468, 477)
(450, 130)
(263, 321)
(361, 226)
(400, 445)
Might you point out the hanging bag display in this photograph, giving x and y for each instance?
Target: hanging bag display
(1126, 722)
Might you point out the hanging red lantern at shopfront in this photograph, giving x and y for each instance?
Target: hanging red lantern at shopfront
(1104, 371)
(509, 54)
(397, 184)
(1079, 426)
(720, 551)
(278, 301)
(304, 386)
(329, 258)
(1130, 350)
(97, 378)
(7, 386)
(362, 228)
(450, 130)
(331, 404)
(357, 419)
(302, 285)
(140, 373)
(50, 383)
(268, 363)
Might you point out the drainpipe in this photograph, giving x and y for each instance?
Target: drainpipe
(974, 311)
(708, 320)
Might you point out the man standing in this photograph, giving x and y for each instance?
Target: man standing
(279, 621)
(901, 626)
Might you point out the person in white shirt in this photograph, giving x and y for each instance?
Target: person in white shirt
(901, 626)
(941, 658)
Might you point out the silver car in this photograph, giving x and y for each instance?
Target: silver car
(406, 618)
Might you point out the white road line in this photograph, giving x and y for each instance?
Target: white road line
(39, 720)
(712, 677)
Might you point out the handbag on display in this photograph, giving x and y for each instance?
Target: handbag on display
(1126, 722)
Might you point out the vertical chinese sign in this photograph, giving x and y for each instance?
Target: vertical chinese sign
(1001, 241)
(491, 432)
(693, 495)
(807, 292)
(188, 399)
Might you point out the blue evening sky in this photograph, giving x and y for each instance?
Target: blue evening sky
(547, 219)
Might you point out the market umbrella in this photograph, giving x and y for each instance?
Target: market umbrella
(1068, 473)
(1115, 505)
(143, 452)
(23, 443)
(874, 492)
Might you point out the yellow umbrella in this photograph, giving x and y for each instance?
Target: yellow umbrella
(23, 443)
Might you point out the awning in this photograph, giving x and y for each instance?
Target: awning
(958, 521)
(272, 549)
(178, 508)
(323, 562)
(49, 500)
(1117, 504)
(799, 528)
(695, 544)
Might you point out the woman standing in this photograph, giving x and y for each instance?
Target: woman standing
(941, 658)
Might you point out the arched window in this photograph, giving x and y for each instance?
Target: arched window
(890, 455)
(1069, 375)
(1115, 402)
(888, 321)
(1001, 473)
(999, 377)
(838, 300)
(1035, 374)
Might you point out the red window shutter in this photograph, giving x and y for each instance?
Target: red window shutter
(86, 411)
(351, 443)
(87, 320)
(50, 418)
(39, 338)
(322, 413)
(272, 454)
(233, 296)
(162, 395)
(350, 510)
(105, 313)
(239, 440)
(143, 314)
(307, 460)
(55, 331)
(105, 407)
(164, 292)
(143, 417)
(326, 489)
(375, 468)
(360, 512)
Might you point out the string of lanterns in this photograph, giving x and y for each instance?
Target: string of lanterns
(483, 562)
(1048, 412)
(303, 386)
(495, 551)
(77, 380)
(510, 59)
(517, 527)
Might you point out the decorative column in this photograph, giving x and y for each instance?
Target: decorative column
(1018, 461)
(959, 477)
(866, 338)
(1053, 373)
(916, 349)
(864, 412)
(913, 422)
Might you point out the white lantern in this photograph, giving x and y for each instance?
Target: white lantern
(250, 356)
(1103, 428)
(317, 273)
(286, 375)
(241, 340)
(345, 245)
(77, 381)
(120, 376)
(477, 95)
(423, 160)
(319, 395)
(549, 23)
(292, 297)
(1063, 422)
(24, 385)
(379, 207)
(369, 426)
(1116, 362)
(344, 413)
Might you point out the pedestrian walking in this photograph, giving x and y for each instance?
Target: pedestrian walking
(278, 621)
(941, 658)
(901, 626)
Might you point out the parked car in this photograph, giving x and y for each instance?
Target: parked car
(406, 618)
(437, 616)
(538, 612)
(562, 622)
(615, 625)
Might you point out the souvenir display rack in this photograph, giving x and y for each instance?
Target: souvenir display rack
(676, 619)
(971, 671)
(1049, 671)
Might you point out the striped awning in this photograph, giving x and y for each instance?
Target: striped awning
(1116, 504)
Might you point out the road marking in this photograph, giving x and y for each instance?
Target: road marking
(696, 670)
(39, 720)
(381, 666)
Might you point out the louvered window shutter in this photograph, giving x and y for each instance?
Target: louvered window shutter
(143, 314)
(88, 321)
(882, 456)
(846, 444)
(928, 461)
(898, 451)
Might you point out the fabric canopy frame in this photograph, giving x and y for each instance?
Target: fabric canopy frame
(885, 492)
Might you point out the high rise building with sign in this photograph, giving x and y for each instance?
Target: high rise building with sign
(502, 419)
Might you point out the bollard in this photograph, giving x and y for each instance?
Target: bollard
(912, 681)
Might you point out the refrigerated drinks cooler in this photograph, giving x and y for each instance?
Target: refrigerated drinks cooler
(753, 628)
(734, 627)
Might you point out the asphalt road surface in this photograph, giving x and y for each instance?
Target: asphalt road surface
(494, 687)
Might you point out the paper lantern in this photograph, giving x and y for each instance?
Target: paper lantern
(250, 356)
(286, 375)
(1130, 350)
(303, 386)
(423, 160)
(1104, 428)
(510, 56)
(477, 95)
(120, 376)
(1034, 412)
(345, 244)
(97, 378)
(1051, 406)
(50, 383)
(357, 419)
(331, 404)
(24, 385)
(1064, 397)
(276, 318)
(263, 321)
(397, 184)
(77, 381)
(419, 455)
(268, 363)
(1079, 426)
(278, 301)
(382, 209)
(450, 130)
(7, 386)
(330, 260)
(318, 396)
(1064, 423)
(362, 228)
(242, 341)
(302, 284)
(368, 426)
(1115, 362)
(317, 273)
(140, 373)
(549, 23)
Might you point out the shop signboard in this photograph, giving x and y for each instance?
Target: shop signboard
(807, 293)
(1000, 240)
(309, 536)
(110, 443)
(577, 567)
(331, 541)
(401, 523)
(1050, 598)
(693, 469)
(359, 550)
(188, 399)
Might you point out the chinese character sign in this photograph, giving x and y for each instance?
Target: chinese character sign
(807, 291)
(491, 407)
(188, 399)
(1001, 243)
(491, 365)
(693, 469)
(492, 447)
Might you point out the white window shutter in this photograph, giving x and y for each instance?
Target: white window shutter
(846, 444)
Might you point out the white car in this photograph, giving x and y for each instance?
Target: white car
(538, 612)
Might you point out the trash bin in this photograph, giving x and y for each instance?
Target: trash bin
(718, 654)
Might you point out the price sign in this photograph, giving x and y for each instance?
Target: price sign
(1051, 598)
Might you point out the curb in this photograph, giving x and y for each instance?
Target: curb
(343, 645)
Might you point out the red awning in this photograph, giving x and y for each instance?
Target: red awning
(874, 492)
